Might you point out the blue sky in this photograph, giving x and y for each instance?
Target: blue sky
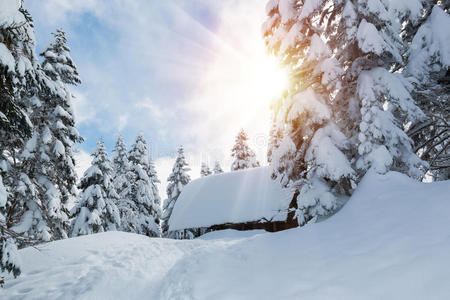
(182, 72)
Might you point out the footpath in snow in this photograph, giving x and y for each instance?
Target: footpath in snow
(391, 241)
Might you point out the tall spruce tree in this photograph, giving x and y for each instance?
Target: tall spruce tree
(140, 203)
(372, 36)
(204, 170)
(45, 183)
(96, 210)
(176, 181)
(244, 157)
(343, 57)
(312, 153)
(428, 61)
(59, 66)
(18, 84)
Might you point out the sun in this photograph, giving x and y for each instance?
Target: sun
(270, 77)
(246, 81)
(238, 83)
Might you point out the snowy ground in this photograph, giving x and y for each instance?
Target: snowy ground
(391, 241)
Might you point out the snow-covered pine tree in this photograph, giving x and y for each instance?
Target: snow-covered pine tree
(204, 170)
(349, 54)
(45, 181)
(35, 187)
(121, 166)
(428, 71)
(369, 46)
(140, 203)
(96, 210)
(217, 168)
(57, 62)
(312, 157)
(244, 157)
(18, 65)
(176, 181)
(59, 66)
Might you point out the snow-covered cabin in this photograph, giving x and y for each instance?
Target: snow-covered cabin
(242, 200)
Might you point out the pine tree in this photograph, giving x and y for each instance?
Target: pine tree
(244, 157)
(45, 179)
(121, 166)
(140, 203)
(96, 210)
(311, 156)
(372, 35)
(176, 181)
(18, 66)
(427, 66)
(217, 168)
(57, 62)
(204, 170)
(62, 70)
(344, 85)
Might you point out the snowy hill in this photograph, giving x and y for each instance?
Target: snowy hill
(391, 241)
(240, 196)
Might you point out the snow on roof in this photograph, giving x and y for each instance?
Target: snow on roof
(236, 197)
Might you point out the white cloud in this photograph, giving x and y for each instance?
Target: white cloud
(56, 11)
(83, 162)
(83, 109)
(123, 121)
(154, 109)
(154, 66)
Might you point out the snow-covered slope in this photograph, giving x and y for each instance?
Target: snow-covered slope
(240, 196)
(391, 241)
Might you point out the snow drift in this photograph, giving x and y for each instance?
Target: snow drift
(239, 196)
(390, 241)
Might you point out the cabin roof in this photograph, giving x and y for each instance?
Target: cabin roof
(236, 197)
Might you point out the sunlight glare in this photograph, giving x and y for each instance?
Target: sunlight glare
(238, 83)
(272, 79)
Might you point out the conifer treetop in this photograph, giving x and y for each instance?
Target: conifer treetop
(244, 157)
(58, 63)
